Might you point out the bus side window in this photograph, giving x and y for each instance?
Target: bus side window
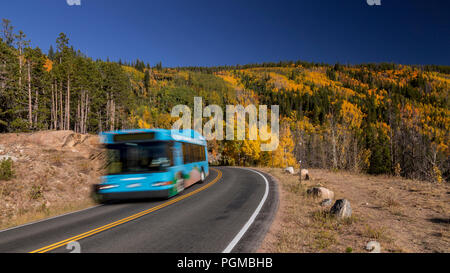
(194, 152)
(197, 152)
(187, 153)
(191, 153)
(170, 152)
(185, 161)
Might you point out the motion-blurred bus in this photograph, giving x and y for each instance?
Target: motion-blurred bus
(151, 163)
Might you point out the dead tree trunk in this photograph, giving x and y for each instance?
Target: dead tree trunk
(333, 147)
(78, 118)
(52, 110)
(67, 123)
(61, 119)
(36, 106)
(86, 113)
(113, 115)
(30, 118)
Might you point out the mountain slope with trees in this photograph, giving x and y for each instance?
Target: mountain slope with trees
(374, 118)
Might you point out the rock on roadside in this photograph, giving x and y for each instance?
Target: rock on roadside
(305, 174)
(320, 192)
(373, 247)
(341, 208)
(289, 170)
(326, 202)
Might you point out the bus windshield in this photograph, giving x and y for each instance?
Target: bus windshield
(126, 158)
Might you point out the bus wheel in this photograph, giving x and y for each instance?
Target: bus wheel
(202, 176)
(180, 182)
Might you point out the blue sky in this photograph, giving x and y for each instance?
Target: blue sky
(213, 32)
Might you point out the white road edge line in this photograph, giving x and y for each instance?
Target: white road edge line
(46, 219)
(250, 221)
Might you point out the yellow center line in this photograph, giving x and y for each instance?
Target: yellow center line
(127, 219)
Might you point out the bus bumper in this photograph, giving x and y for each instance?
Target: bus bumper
(129, 195)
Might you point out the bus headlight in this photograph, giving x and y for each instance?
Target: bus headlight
(106, 187)
(159, 184)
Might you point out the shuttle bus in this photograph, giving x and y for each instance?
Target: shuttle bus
(151, 163)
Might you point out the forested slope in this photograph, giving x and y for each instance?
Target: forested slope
(375, 118)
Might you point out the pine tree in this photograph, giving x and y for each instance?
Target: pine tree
(147, 80)
(9, 95)
(7, 32)
(51, 53)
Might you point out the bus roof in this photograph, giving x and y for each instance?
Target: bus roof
(144, 135)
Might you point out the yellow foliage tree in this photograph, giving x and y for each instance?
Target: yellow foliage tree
(283, 156)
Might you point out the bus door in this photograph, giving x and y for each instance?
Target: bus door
(177, 168)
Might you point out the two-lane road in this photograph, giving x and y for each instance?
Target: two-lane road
(231, 211)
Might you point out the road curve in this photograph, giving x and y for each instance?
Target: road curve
(230, 212)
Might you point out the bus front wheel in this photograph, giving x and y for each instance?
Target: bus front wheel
(202, 176)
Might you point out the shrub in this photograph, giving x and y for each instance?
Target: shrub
(35, 192)
(325, 239)
(437, 175)
(376, 233)
(20, 125)
(6, 169)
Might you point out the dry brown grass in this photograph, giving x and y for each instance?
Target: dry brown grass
(43, 211)
(402, 215)
(50, 179)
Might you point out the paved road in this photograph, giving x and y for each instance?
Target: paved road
(231, 211)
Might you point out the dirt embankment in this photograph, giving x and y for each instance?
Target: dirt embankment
(53, 170)
(402, 215)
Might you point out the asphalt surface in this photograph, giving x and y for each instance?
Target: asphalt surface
(232, 210)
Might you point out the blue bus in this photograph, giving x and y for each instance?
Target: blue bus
(151, 163)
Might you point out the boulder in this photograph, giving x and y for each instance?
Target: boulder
(326, 202)
(341, 208)
(289, 170)
(320, 192)
(305, 174)
(373, 247)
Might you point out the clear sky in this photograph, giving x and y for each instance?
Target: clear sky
(218, 32)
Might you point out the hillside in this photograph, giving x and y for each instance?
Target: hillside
(53, 173)
(377, 119)
(371, 118)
